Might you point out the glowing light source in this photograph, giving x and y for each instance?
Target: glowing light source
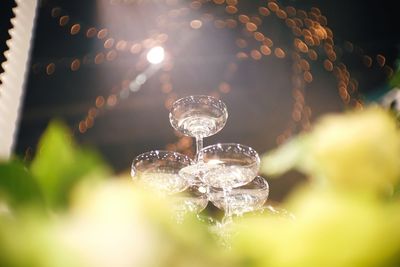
(156, 55)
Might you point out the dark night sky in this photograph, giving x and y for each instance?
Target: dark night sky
(142, 125)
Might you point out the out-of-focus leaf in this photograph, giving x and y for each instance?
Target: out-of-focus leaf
(117, 223)
(59, 164)
(355, 151)
(396, 191)
(330, 230)
(31, 240)
(17, 186)
(288, 156)
(395, 81)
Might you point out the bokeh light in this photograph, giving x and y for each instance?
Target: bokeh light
(156, 55)
(238, 42)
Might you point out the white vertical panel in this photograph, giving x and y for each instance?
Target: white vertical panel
(15, 73)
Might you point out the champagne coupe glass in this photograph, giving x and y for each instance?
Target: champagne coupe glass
(189, 201)
(247, 198)
(160, 170)
(198, 116)
(229, 165)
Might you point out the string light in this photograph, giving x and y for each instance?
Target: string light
(309, 28)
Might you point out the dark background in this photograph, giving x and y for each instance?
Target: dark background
(260, 101)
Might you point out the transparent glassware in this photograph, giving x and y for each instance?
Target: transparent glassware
(189, 201)
(159, 170)
(198, 116)
(247, 198)
(193, 174)
(225, 174)
(229, 165)
(275, 210)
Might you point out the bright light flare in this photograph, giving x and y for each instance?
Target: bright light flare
(156, 55)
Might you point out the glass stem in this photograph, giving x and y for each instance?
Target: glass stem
(199, 147)
(228, 212)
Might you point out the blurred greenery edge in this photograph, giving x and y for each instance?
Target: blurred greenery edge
(57, 166)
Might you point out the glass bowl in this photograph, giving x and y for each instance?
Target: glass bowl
(229, 165)
(159, 170)
(247, 198)
(198, 116)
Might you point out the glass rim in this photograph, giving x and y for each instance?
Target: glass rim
(136, 170)
(219, 101)
(163, 152)
(265, 187)
(255, 155)
(235, 144)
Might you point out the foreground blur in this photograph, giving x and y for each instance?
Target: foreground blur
(64, 211)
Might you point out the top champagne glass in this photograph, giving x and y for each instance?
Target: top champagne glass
(198, 116)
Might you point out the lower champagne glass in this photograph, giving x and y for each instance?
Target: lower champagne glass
(189, 201)
(240, 200)
(229, 165)
(159, 170)
(237, 201)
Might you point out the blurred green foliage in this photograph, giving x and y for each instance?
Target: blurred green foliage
(330, 230)
(59, 165)
(359, 151)
(395, 80)
(17, 185)
(63, 211)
